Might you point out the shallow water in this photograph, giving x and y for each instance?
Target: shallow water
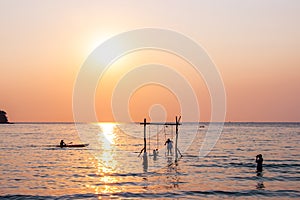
(31, 167)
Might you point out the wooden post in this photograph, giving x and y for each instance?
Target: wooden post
(176, 141)
(145, 143)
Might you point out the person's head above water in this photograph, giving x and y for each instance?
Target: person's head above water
(259, 156)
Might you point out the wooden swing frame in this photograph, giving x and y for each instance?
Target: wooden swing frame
(177, 124)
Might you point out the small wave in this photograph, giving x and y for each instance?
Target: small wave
(167, 195)
(33, 197)
(247, 193)
(282, 165)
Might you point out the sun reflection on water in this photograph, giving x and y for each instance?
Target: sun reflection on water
(108, 131)
(107, 164)
(107, 140)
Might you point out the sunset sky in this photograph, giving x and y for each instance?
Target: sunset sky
(254, 44)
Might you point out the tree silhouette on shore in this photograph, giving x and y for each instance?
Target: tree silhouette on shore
(3, 118)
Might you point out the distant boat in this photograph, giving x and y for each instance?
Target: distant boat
(73, 145)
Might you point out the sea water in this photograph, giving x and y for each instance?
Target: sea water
(32, 167)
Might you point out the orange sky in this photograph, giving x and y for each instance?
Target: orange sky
(148, 95)
(254, 44)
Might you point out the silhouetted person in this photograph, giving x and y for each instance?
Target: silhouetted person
(259, 161)
(62, 144)
(169, 144)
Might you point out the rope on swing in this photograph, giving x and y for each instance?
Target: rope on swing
(165, 133)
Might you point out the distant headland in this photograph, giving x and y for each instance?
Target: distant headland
(3, 118)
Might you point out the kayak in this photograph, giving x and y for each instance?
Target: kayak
(74, 145)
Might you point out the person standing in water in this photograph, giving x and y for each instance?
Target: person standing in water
(169, 144)
(62, 144)
(259, 160)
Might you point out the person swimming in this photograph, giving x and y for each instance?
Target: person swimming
(259, 160)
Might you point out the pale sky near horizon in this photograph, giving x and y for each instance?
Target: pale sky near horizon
(254, 44)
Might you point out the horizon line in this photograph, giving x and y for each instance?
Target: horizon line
(70, 122)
